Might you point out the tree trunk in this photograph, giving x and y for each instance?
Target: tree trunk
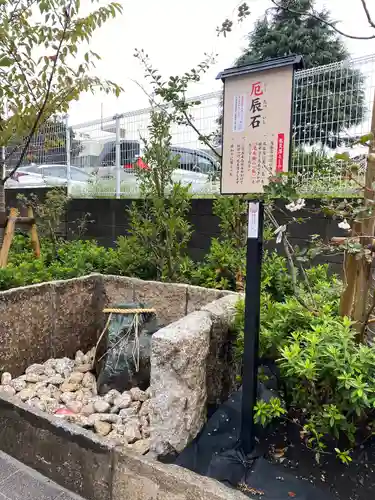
(355, 298)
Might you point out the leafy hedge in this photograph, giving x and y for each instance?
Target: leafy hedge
(329, 377)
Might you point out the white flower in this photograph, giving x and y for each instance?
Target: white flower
(344, 225)
(279, 233)
(294, 206)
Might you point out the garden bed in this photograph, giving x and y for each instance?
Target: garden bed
(356, 481)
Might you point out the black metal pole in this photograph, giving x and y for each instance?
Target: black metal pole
(252, 323)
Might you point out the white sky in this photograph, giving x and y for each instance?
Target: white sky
(176, 35)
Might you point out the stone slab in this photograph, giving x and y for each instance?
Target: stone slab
(169, 299)
(138, 478)
(178, 382)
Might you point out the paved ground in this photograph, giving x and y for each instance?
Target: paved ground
(18, 482)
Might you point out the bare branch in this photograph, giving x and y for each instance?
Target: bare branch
(331, 24)
(367, 12)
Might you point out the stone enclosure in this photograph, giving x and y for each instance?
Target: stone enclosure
(190, 368)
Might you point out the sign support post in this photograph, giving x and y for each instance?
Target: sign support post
(252, 323)
(257, 118)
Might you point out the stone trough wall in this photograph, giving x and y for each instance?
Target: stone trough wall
(189, 367)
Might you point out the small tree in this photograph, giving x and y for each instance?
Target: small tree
(41, 68)
(158, 222)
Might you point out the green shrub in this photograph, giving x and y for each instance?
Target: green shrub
(329, 377)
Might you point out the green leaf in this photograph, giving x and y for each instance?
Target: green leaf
(342, 156)
(364, 139)
(6, 61)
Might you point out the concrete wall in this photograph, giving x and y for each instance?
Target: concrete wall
(110, 220)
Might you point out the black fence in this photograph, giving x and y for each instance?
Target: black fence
(108, 219)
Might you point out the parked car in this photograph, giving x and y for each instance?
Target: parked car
(191, 160)
(49, 175)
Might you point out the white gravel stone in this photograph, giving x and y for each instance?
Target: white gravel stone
(101, 406)
(142, 446)
(69, 387)
(132, 431)
(111, 396)
(56, 379)
(78, 357)
(66, 397)
(114, 438)
(145, 408)
(123, 401)
(89, 380)
(88, 410)
(8, 390)
(26, 394)
(74, 406)
(18, 383)
(84, 368)
(49, 372)
(75, 378)
(33, 378)
(36, 368)
(6, 378)
(64, 366)
(138, 395)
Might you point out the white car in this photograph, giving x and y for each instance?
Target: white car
(49, 175)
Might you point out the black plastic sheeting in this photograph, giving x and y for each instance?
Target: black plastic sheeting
(217, 453)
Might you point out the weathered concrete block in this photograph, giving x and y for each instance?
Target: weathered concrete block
(221, 366)
(198, 297)
(27, 317)
(169, 299)
(138, 478)
(178, 381)
(78, 315)
(118, 289)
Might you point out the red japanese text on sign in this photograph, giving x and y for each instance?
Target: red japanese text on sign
(280, 153)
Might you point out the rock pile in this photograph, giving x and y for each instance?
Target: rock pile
(67, 388)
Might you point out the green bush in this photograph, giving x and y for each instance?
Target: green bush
(71, 259)
(329, 377)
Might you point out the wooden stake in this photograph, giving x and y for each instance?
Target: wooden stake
(34, 234)
(8, 236)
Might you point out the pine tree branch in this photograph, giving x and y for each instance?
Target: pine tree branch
(331, 24)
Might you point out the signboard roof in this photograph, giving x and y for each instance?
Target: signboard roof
(279, 62)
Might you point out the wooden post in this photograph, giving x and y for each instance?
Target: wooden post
(34, 234)
(354, 299)
(8, 236)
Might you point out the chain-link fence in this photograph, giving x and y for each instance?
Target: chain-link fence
(332, 110)
(109, 147)
(48, 146)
